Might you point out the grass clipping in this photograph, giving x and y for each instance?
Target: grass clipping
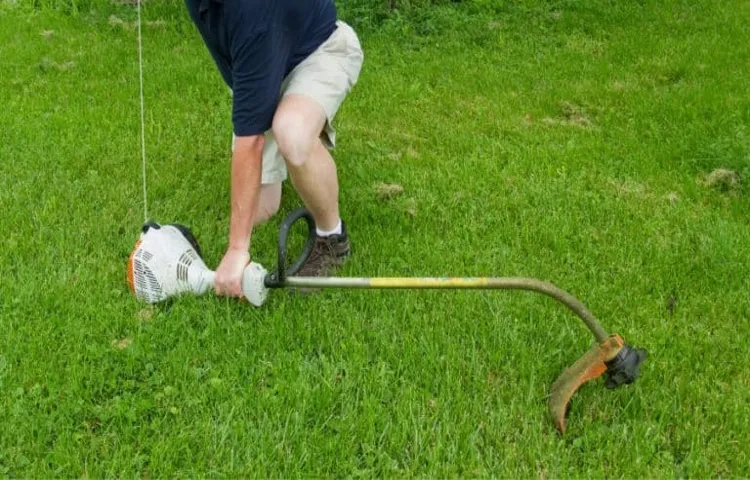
(722, 179)
(388, 191)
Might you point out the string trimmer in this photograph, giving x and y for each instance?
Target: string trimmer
(167, 262)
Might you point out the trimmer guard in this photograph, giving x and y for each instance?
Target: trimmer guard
(620, 361)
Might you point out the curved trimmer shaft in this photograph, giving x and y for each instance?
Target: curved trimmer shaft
(609, 355)
(509, 283)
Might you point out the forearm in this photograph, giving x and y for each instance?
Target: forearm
(245, 189)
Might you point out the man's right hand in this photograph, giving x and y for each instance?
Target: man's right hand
(228, 279)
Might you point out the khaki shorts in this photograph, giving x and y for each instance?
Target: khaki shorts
(326, 76)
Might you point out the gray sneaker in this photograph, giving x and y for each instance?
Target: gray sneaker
(327, 254)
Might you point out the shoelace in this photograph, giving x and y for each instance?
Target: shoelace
(322, 247)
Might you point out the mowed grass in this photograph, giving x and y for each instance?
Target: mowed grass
(567, 141)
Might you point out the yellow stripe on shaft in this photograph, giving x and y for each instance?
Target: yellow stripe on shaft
(456, 282)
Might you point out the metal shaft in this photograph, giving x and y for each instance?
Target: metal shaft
(506, 283)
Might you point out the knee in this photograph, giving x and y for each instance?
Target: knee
(294, 138)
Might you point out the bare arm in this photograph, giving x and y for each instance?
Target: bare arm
(245, 190)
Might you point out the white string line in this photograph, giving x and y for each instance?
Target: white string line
(143, 120)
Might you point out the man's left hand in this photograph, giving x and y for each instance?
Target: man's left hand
(228, 280)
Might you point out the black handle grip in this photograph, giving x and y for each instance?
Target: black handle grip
(277, 279)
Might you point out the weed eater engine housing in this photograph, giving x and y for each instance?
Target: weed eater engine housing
(167, 262)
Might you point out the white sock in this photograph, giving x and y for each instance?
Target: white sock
(335, 231)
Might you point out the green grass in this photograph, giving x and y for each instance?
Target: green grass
(565, 140)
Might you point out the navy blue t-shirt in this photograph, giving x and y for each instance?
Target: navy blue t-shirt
(255, 44)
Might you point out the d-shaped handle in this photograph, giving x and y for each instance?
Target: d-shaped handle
(277, 279)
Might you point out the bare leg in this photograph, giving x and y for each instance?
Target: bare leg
(268, 204)
(297, 126)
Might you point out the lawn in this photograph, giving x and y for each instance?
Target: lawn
(576, 142)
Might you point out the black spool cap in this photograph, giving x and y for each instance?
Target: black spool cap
(625, 367)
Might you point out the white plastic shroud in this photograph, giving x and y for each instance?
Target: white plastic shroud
(165, 264)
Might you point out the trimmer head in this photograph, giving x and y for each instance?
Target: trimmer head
(619, 361)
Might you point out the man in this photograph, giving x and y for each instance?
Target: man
(289, 64)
